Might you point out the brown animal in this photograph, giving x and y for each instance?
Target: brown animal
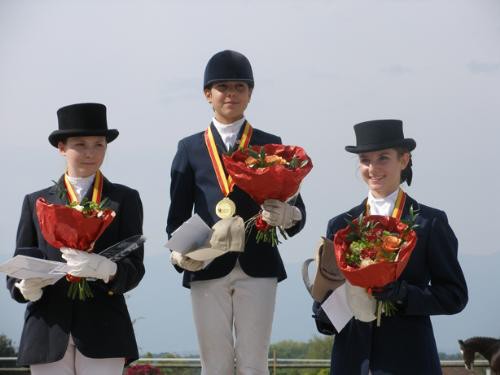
(488, 347)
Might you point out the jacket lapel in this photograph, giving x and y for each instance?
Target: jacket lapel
(107, 186)
(57, 193)
(238, 138)
(356, 211)
(410, 202)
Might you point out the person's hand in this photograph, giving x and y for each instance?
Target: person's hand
(397, 292)
(83, 264)
(319, 313)
(323, 323)
(185, 262)
(280, 214)
(31, 289)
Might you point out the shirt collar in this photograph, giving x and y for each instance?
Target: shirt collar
(382, 206)
(81, 185)
(228, 129)
(228, 132)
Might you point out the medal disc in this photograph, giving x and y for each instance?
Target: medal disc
(225, 208)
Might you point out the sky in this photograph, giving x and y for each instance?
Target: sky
(320, 67)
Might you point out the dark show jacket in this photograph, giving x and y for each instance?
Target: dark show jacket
(194, 183)
(404, 343)
(100, 326)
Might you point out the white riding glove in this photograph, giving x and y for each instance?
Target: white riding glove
(83, 264)
(185, 262)
(31, 289)
(280, 214)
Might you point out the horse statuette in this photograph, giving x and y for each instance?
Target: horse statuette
(488, 347)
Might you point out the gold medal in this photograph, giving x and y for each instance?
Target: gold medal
(225, 208)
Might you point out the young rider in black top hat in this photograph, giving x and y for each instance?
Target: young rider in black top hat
(94, 336)
(432, 282)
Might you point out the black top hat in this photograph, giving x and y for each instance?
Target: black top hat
(378, 135)
(228, 66)
(82, 119)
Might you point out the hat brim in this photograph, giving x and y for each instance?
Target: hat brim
(408, 143)
(205, 254)
(59, 135)
(212, 82)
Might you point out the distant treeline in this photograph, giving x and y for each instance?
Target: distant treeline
(315, 348)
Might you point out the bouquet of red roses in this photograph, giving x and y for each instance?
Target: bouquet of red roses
(77, 226)
(271, 171)
(372, 251)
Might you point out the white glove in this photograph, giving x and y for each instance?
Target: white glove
(361, 303)
(280, 214)
(31, 289)
(185, 262)
(83, 264)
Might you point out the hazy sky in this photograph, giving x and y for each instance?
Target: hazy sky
(320, 67)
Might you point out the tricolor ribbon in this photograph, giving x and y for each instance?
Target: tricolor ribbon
(397, 212)
(96, 189)
(226, 183)
(399, 205)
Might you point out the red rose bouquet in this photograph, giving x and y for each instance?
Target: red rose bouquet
(271, 171)
(77, 226)
(372, 251)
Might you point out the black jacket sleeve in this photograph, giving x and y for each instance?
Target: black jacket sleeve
(447, 292)
(130, 270)
(26, 238)
(181, 190)
(299, 203)
(323, 324)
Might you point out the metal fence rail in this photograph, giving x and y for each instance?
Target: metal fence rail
(195, 363)
(8, 364)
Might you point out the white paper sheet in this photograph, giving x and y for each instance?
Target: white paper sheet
(25, 267)
(337, 309)
(192, 234)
